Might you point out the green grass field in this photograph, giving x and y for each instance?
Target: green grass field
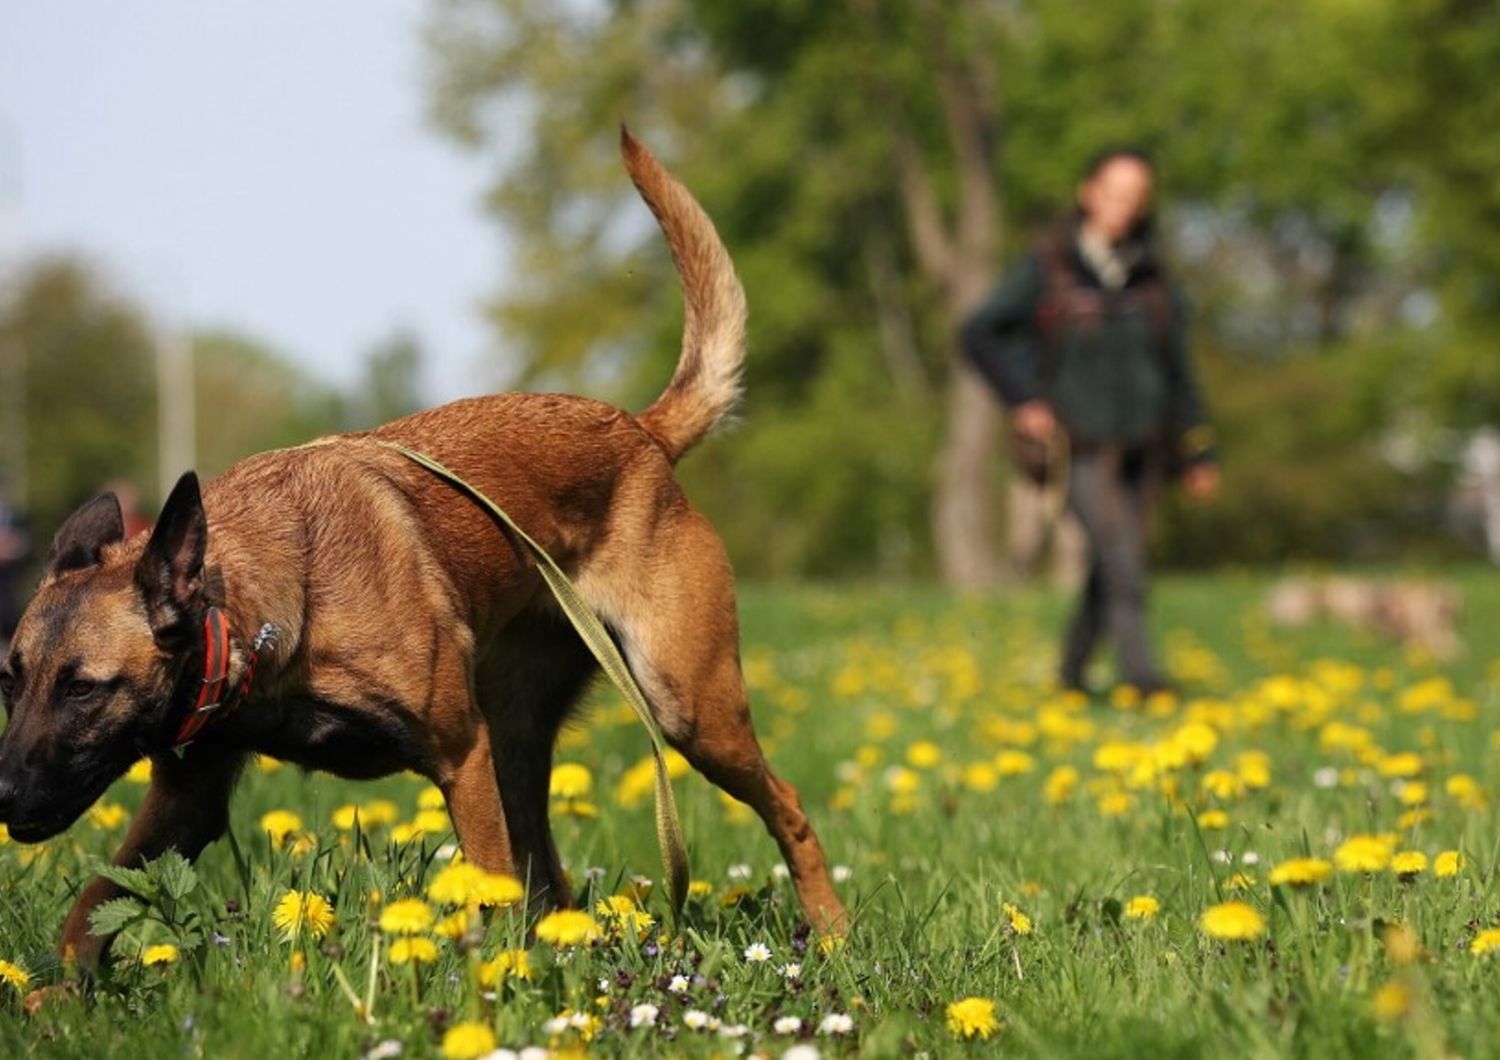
(994, 841)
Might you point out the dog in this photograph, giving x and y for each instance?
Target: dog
(411, 630)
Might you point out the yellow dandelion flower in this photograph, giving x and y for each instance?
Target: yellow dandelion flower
(1448, 863)
(1012, 763)
(1060, 784)
(1487, 941)
(510, 964)
(981, 776)
(107, 816)
(468, 1041)
(345, 817)
(452, 926)
(1142, 907)
(163, 953)
(700, 889)
(432, 822)
(568, 927)
(1409, 863)
(972, 1017)
(622, 914)
(1300, 872)
(462, 883)
(1364, 853)
(140, 773)
(431, 798)
(1020, 923)
(409, 916)
(279, 824)
(1240, 881)
(416, 949)
(1213, 820)
(301, 912)
(1391, 1002)
(378, 813)
(924, 754)
(15, 975)
(1233, 921)
(570, 781)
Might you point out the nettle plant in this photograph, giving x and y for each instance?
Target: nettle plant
(156, 905)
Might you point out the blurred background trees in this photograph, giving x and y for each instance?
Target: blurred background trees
(1330, 201)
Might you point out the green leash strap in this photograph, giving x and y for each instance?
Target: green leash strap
(581, 615)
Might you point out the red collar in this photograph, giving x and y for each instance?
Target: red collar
(214, 690)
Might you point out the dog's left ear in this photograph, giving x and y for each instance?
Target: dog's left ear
(170, 573)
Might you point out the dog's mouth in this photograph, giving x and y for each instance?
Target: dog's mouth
(38, 831)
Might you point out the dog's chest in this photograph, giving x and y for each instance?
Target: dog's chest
(360, 743)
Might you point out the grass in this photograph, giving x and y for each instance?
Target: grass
(935, 764)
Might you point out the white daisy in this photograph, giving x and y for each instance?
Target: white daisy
(791, 971)
(644, 1015)
(787, 1025)
(696, 1019)
(679, 984)
(757, 953)
(836, 1023)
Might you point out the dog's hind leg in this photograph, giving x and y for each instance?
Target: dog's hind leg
(528, 682)
(672, 608)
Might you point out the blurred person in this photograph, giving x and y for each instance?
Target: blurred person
(1085, 342)
(15, 550)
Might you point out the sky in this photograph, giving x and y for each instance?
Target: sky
(261, 165)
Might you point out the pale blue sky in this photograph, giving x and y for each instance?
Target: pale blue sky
(260, 164)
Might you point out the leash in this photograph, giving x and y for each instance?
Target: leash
(1058, 469)
(602, 646)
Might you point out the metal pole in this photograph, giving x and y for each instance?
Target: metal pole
(175, 414)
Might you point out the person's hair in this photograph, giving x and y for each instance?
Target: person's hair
(1145, 228)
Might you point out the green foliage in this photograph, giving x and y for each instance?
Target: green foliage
(1319, 200)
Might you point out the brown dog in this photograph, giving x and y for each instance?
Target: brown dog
(414, 632)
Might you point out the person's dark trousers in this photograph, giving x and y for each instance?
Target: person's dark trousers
(1111, 489)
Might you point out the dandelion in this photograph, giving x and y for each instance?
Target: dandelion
(1448, 863)
(1300, 872)
(1487, 941)
(622, 914)
(409, 916)
(1363, 853)
(302, 911)
(15, 975)
(463, 883)
(1391, 1002)
(107, 816)
(279, 824)
(924, 754)
(972, 1017)
(509, 964)
(1233, 921)
(1142, 907)
(413, 949)
(568, 927)
(468, 1041)
(1409, 863)
(757, 953)
(140, 773)
(163, 953)
(1019, 922)
(570, 781)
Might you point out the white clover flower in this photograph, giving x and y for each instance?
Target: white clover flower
(787, 1025)
(555, 1026)
(836, 1023)
(644, 1015)
(696, 1019)
(733, 1030)
(1327, 777)
(757, 953)
(603, 984)
(739, 872)
(1223, 857)
(802, 1052)
(791, 971)
(1250, 857)
(679, 984)
(780, 871)
(842, 873)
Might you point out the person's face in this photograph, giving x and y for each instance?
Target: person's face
(1116, 198)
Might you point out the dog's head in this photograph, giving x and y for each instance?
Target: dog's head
(97, 660)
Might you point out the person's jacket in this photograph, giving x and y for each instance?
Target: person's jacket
(1112, 363)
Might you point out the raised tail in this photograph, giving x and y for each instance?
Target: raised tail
(706, 385)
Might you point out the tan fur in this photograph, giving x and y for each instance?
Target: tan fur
(415, 634)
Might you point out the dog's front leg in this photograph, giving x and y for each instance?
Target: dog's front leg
(186, 808)
(473, 797)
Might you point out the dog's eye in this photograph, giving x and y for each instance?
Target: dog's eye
(7, 685)
(81, 689)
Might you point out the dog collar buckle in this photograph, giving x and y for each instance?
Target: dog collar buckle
(214, 689)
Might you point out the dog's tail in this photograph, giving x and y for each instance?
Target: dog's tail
(706, 385)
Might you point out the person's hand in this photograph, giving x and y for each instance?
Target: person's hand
(1201, 482)
(1034, 420)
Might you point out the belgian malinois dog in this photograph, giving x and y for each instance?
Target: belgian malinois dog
(414, 632)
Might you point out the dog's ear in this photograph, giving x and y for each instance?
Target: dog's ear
(82, 537)
(170, 573)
